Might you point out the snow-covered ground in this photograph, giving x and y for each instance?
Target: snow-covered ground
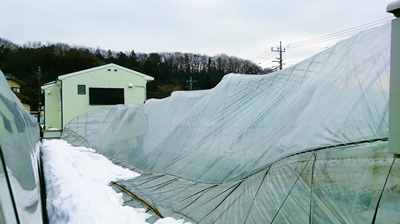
(78, 190)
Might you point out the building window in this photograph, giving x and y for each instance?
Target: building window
(16, 89)
(106, 96)
(81, 89)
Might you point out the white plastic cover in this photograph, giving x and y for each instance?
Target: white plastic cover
(307, 143)
(20, 189)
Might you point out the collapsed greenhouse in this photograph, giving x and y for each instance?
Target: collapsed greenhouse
(303, 144)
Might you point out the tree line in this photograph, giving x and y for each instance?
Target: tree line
(171, 71)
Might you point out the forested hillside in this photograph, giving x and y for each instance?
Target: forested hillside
(171, 71)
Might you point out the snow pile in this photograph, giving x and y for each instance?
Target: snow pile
(78, 191)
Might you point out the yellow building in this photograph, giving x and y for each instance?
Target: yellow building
(79, 92)
(15, 85)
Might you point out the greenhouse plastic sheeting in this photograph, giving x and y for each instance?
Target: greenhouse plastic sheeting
(20, 187)
(304, 144)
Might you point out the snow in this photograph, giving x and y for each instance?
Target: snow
(78, 190)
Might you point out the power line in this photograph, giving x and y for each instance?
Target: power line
(368, 25)
(328, 37)
(339, 34)
(259, 56)
(319, 49)
(274, 55)
(265, 56)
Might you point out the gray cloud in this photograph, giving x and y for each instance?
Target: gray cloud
(241, 28)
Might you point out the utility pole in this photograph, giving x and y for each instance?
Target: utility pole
(39, 76)
(191, 81)
(279, 49)
(394, 94)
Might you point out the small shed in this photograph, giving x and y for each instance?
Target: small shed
(79, 92)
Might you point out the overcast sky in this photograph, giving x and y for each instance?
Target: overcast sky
(246, 28)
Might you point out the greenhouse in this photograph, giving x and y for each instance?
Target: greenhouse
(306, 144)
(22, 197)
